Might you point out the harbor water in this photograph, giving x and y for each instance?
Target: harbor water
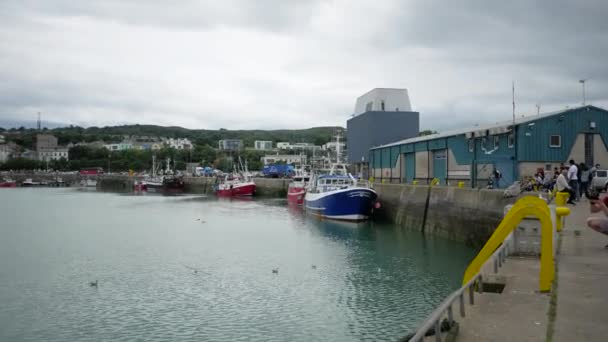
(196, 268)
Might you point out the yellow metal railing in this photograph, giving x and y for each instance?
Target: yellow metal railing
(527, 206)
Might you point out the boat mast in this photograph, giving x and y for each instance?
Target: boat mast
(153, 166)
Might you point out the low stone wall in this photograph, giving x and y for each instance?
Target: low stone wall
(115, 183)
(461, 214)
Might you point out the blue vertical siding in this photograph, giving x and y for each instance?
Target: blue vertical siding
(410, 167)
(533, 140)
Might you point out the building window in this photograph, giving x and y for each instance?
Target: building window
(471, 145)
(496, 142)
(382, 105)
(511, 140)
(555, 141)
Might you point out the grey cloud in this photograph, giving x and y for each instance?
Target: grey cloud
(299, 63)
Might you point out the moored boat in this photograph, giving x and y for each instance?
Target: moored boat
(297, 188)
(29, 182)
(236, 184)
(338, 195)
(88, 183)
(8, 183)
(167, 183)
(140, 186)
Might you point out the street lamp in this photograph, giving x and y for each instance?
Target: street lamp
(583, 83)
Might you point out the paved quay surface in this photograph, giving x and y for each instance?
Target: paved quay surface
(521, 313)
(582, 295)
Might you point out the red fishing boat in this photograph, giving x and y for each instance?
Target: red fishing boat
(297, 188)
(236, 184)
(8, 183)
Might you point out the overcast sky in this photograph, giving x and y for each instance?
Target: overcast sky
(295, 64)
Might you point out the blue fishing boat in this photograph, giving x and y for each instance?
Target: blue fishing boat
(340, 196)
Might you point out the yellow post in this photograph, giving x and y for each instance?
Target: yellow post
(415, 182)
(527, 206)
(561, 212)
(461, 184)
(561, 198)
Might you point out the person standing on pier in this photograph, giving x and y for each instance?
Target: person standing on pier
(573, 178)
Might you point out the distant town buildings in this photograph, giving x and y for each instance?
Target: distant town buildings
(47, 148)
(285, 158)
(262, 145)
(123, 146)
(230, 144)
(5, 152)
(1, 139)
(179, 143)
(297, 146)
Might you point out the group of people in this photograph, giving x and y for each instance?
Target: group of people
(575, 179)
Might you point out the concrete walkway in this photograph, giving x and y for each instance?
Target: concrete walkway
(582, 294)
(521, 313)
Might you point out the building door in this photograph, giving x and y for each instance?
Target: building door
(440, 165)
(589, 149)
(410, 167)
(505, 166)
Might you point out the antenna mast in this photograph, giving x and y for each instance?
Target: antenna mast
(513, 97)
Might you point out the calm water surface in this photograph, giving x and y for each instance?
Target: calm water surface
(371, 282)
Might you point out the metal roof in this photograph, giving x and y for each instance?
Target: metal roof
(497, 128)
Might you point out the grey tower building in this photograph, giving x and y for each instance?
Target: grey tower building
(381, 116)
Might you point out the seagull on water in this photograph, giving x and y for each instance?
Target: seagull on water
(93, 283)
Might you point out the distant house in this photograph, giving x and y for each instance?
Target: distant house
(230, 144)
(5, 152)
(47, 148)
(119, 147)
(262, 145)
(179, 144)
(2, 139)
(283, 145)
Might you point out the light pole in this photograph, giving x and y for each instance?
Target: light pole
(583, 83)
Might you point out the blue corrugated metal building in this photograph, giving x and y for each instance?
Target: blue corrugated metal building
(516, 148)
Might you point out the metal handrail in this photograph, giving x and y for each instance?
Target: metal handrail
(445, 308)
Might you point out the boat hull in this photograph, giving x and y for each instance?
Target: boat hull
(295, 195)
(246, 189)
(8, 184)
(354, 204)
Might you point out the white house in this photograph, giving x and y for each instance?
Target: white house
(332, 145)
(53, 153)
(179, 143)
(262, 145)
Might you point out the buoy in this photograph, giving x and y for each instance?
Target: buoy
(275, 271)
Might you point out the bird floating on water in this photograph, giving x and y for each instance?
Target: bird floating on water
(275, 270)
(93, 283)
(314, 267)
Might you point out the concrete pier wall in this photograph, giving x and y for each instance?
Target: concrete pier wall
(461, 214)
